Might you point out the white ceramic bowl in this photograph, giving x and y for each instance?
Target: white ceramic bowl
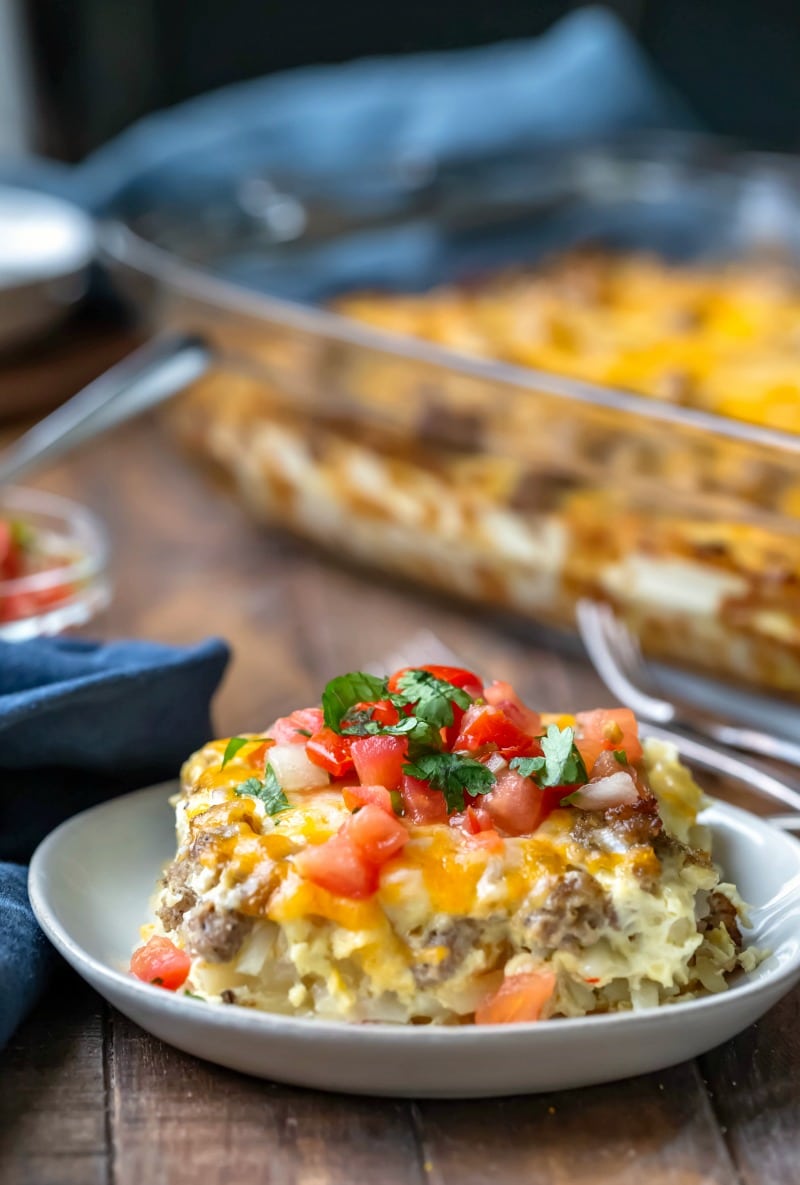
(46, 247)
(90, 882)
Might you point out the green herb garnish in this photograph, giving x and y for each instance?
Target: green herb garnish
(561, 763)
(345, 692)
(267, 790)
(303, 732)
(22, 535)
(432, 698)
(454, 774)
(194, 995)
(232, 748)
(360, 723)
(621, 756)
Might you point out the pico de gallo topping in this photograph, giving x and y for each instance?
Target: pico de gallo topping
(435, 745)
(24, 553)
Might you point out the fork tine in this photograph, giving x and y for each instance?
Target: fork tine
(627, 649)
(606, 647)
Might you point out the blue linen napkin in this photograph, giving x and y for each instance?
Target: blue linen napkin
(584, 79)
(344, 136)
(81, 721)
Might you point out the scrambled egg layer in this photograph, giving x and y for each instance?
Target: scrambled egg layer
(616, 921)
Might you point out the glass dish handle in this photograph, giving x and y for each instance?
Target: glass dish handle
(147, 377)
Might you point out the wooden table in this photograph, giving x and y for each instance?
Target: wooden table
(86, 1097)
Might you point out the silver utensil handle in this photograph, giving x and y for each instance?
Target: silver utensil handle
(784, 822)
(718, 760)
(144, 379)
(749, 740)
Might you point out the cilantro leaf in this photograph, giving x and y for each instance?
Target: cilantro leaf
(528, 767)
(433, 698)
(268, 790)
(303, 732)
(621, 756)
(22, 534)
(454, 774)
(561, 765)
(345, 692)
(193, 995)
(360, 723)
(422, 736)
(232, 748)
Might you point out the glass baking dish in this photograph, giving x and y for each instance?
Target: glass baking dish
(498, 482)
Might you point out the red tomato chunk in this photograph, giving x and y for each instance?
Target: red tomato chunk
(160, 962)
(503, 695)
(421, 804)
(338, 866)
(520, 997)
(382, 711)
(358, 796)
(296, 728)
(605, 729)
(330, 751)
(467, 680)
(349, 863)
(377, 834)
(379, 760)
(485, 728)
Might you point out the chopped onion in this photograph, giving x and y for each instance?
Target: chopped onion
(615, 790)
(496, 762)
(293, 769)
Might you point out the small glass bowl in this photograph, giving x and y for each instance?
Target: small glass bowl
(71, 592)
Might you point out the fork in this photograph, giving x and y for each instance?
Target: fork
(785, 903)
(616, 656)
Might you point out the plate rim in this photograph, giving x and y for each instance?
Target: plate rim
(240, 1019)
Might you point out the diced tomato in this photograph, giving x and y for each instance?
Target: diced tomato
(450, 732)
(502, 695)
(11, 556)
(6, 544)
(519, 997)
(295, 729)
(54, 595)
(467, 680)
(330, 751)
(349, 863)
(160, 961)
(16, 606)
(486, 727)
(516, 805)
(377, 834)
(379, 760)
(382, 711)
(489, 839)
(476, 824)
(358, 796)
(604, 729)
(473, 819)
(338, 866)
(258, 756)
(422, 804)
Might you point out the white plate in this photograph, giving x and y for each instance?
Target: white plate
(90, 882)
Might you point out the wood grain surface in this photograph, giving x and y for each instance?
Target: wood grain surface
(86, 1097)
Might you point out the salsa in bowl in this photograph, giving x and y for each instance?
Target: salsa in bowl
(53, 564)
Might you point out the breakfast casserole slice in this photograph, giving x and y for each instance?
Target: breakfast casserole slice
(426, 848)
